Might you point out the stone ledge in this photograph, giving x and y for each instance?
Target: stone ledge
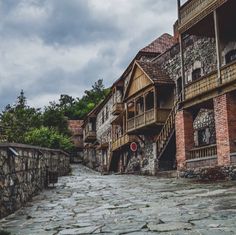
(202, 159)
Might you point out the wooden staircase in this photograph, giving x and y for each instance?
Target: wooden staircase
(167, 130)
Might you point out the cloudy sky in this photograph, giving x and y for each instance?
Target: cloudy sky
(53, 47)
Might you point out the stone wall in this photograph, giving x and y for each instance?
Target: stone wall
(144, 161)
(23, 173)
(104, 131)
(210, 173)
(198, 52)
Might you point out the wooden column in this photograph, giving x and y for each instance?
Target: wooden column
(182, 65)
(134, 113)
(218, 48)
(144, 107)
(155, 104)
(181, 53)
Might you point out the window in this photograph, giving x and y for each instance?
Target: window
(203, 136)
(149, 99)
(103, 117)
(196, 74)
(230, 56)
(139, 106)
(179, 86)
(107, 113)
(130, 108)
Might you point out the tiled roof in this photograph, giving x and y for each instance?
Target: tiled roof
(75, 126)
(160, 45)
(154, 72)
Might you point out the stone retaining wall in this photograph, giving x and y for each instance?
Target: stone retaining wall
(209, 173)
(23, 173)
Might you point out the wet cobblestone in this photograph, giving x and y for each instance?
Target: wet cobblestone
(88, 203)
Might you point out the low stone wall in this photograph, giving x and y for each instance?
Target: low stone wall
(209, 173)
(23, 173)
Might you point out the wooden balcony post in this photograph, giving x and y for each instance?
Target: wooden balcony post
(155, 104)
(218, 47)
(144, 107)
(134, 113)
(182, 65)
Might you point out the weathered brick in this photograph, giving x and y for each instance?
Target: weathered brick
(184, 137)
(225, 121)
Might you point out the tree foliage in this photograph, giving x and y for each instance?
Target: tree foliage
(19, 118)
(50, 138)
(48, 128)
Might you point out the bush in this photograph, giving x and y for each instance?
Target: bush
(50, 138)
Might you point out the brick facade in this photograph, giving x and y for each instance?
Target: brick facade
(225, 119)
(184, 137)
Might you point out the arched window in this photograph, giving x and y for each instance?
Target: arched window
(230, 56)
(196, 74)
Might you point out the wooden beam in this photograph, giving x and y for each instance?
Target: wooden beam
(218, 47)
(182, 65)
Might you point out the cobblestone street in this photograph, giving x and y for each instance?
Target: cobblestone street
(88, 203)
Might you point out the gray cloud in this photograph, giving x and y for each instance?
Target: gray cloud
(50, 47)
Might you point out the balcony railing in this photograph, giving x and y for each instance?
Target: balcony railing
(203, 152)
(228, 73)
(210, 82)
(204, 84)
(122, 141)
(194, 11)
(147, 118)
(117, 108)
(89, 136)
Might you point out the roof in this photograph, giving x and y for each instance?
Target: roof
(156, 47)
(154, 72)
(160, 45)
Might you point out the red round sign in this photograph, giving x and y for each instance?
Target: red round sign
(133, 146)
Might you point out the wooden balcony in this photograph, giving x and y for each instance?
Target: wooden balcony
(122, 141)
(90, 136)
(78, 142)
(117, 108)
(201, 86)
(152, 116)
(194, 11)
(207, 86)
(203, 152)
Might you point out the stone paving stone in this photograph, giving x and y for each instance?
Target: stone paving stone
(88, 203)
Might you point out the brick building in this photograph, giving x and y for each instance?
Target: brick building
(75, 127)
(205, 124)
(176, 99)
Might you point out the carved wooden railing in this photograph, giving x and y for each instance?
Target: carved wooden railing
(195, 10)
(89, 135)
(167, 130)
(210, 82)
(123, 140)
(147, 118)
(117, 108)
(203, 152)
(228, 73)
(204, 84)
(139, 120)
(150, 116)
(130, 123)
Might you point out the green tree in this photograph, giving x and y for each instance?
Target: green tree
(50, 138)
(53, 117)
(19, 118)
(90, 99)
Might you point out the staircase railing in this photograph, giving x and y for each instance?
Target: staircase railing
(168, 128)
